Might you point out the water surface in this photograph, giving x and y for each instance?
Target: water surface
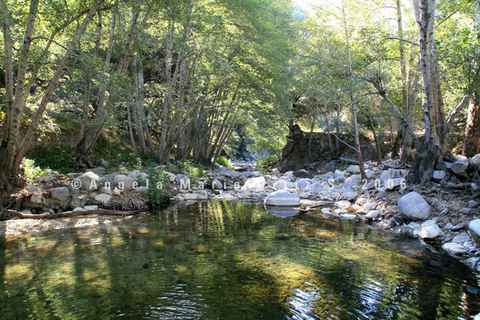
(230, 261)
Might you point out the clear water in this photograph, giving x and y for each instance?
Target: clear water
(230, 261)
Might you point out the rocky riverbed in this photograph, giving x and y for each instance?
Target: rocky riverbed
(444, 215)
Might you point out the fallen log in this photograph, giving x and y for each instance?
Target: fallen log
(73, 214)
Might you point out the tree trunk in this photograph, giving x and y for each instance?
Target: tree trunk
(92, 130)
(471, 145)
(353, 103)
(430, 149)
(14, 145)
(138, 106)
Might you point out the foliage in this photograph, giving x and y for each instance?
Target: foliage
(55, 157)
(192, 169)
(224, 161)
(268, 163)
(158, 189)
(31, 171)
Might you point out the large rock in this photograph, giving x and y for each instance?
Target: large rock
(373, 214)
(280, 185)
(439, 175)
(454, 249)
(429, 230)
(318, 187)
(474, 228)
(303, 184)
(138, 175)
(460, 166)
(339, 176)
(348, 194)
(61, 196)
(89, 181)
(475, 161)
(124, 182)
(283, 198)
(413, 206)
(254, 184)
(353, 169)
(103, 198)
(353, 181)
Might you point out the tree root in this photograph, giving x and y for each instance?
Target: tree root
(73, 214)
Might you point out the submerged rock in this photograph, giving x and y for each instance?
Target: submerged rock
(413, 206)
(283, 198)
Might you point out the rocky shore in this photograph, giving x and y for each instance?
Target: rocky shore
(444, 215)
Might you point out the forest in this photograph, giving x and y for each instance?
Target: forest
(200, 80)
(240, 159)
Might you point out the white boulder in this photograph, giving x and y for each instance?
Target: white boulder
(256, 184)
(429, 230)
(460, 165)
(413, 206)
(280, 185)
(89, 181)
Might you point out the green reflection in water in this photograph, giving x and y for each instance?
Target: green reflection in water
(229, 261)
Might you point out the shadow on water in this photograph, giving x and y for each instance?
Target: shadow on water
(227, 261)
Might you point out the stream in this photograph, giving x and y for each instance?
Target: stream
(230, 260)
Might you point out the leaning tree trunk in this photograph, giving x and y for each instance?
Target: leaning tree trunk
(471, 144)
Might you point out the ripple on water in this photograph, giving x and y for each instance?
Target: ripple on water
(230, 261)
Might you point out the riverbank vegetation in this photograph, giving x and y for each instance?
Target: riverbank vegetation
(89, 83)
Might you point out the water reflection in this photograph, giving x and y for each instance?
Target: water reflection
(283, 212)
(229, 261)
